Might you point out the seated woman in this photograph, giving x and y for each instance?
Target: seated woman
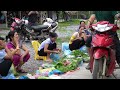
(82, 24)
(15, 47)
(77, 40)
(49, 46)
(5, 58)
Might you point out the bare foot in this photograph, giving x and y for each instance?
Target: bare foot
(49, 60)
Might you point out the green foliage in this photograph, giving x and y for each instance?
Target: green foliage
(78, 53)
(71, 62)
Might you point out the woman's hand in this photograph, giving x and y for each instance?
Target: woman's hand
(17, 47)
(58, 49)
(81, 30)
(16, 40)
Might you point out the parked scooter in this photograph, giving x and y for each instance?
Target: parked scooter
(42, 31)
(19, 26)
(103, 58)
(37, 31)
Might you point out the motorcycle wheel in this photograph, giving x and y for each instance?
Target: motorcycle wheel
(99, 67)
(95, 69)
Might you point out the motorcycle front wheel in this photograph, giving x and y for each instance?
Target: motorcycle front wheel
(99, 69)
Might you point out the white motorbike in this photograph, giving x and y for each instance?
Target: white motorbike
(41, 32)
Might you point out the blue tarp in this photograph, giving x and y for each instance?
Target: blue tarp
(67, 51)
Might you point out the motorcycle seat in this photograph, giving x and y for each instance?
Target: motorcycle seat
(39, 27)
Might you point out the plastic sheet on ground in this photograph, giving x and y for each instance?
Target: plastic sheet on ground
(58, 72)
(9, 76)
(67, 51)
(54, 77)
(47, 65)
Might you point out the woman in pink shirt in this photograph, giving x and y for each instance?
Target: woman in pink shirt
(15, 47)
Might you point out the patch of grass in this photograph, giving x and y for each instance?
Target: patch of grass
(2, 35)
(68, 23)
(118, 31)
(4, 28)
(62, 30)
(61, 40)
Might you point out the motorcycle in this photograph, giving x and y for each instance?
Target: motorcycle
(102, 58)
(41, 32)
(19, 26)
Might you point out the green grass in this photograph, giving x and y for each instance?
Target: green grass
(68, 23)
(118, 31)
(61, 40)
(62, 30)
(4, 28)
(2, 35)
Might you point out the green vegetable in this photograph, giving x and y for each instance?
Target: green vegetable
(77, 57)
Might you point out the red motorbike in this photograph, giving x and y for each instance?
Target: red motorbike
(102, 58)
(19, 26)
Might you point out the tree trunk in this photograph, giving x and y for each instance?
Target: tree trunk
(57, 13)
(65, 16)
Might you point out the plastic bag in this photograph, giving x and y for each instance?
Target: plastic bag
(67, 52)
(54, 77)
(84, 49)
(65, 46)
(55, 57)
